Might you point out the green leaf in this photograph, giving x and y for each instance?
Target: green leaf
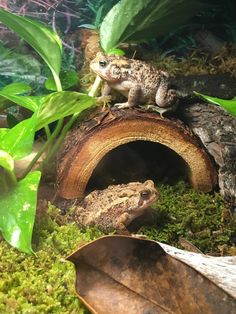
(89, 26)
(132, 20)
(229, 105)
(117, 20)
(9, 91)
(68, 79)
(29, 102)
(17, 212)
(158, 19)
(116, 51)
(41, 38)
(3, 132)
(19, 67)
(16, 88)
(6, 161)
(98, 16)
(61, 104)
(18, 141)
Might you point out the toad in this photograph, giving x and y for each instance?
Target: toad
(115, 207)
(138, 81)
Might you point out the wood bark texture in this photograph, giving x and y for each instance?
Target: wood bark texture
(87, 144)
(217, 131)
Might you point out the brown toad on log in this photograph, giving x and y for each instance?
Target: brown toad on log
(136, 80)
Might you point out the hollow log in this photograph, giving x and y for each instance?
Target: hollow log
(87, 144)
(216, 129)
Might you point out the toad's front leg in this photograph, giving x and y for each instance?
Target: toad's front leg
(121, 224)
(134, 96)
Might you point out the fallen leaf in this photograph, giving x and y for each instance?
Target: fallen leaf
(122, 274)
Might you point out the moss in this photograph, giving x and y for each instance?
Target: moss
(197, 62)
(203, 219)
(44, 282)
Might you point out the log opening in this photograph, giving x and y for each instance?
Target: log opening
(138, 161)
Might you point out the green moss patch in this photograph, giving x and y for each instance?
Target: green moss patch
(44, 282)
(203, 219)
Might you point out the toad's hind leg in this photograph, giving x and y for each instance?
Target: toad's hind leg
(165, 97)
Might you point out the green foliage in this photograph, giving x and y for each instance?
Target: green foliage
(16, 88)
(18, 198)
(44, 282)
(68, 79)
(18, 67)
(195, 216)
(29, 102)
(138, 21)
(61, 104)
(6, 161)
(17, 212)
(229, 105)
(98, 9)
(40, 37)
(116, 51)
(18, 141)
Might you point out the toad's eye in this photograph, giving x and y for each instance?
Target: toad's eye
(103, 63)
(145, 194)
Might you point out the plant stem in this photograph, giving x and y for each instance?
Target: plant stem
(60, 139)
(43, 148)
(50, 137)
(69, 124)
(95, 86)
(57, 81)
(7, 180)
(3, 183)
(47, 131)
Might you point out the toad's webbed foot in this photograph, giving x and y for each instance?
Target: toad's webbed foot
(124, 105)
(160, 110)
(104, 101)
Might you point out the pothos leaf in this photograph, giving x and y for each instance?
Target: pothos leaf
(47, 43)
(229, 105)
(17, 212)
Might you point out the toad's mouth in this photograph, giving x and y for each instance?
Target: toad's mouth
(146, 214)
(104, 74)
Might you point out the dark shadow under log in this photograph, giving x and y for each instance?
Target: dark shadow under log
(85, 146)
(138, 161)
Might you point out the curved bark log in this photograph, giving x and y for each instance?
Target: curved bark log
(85, 146)
(217, 130)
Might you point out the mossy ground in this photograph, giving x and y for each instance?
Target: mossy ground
(203, 219)
(44, 282)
